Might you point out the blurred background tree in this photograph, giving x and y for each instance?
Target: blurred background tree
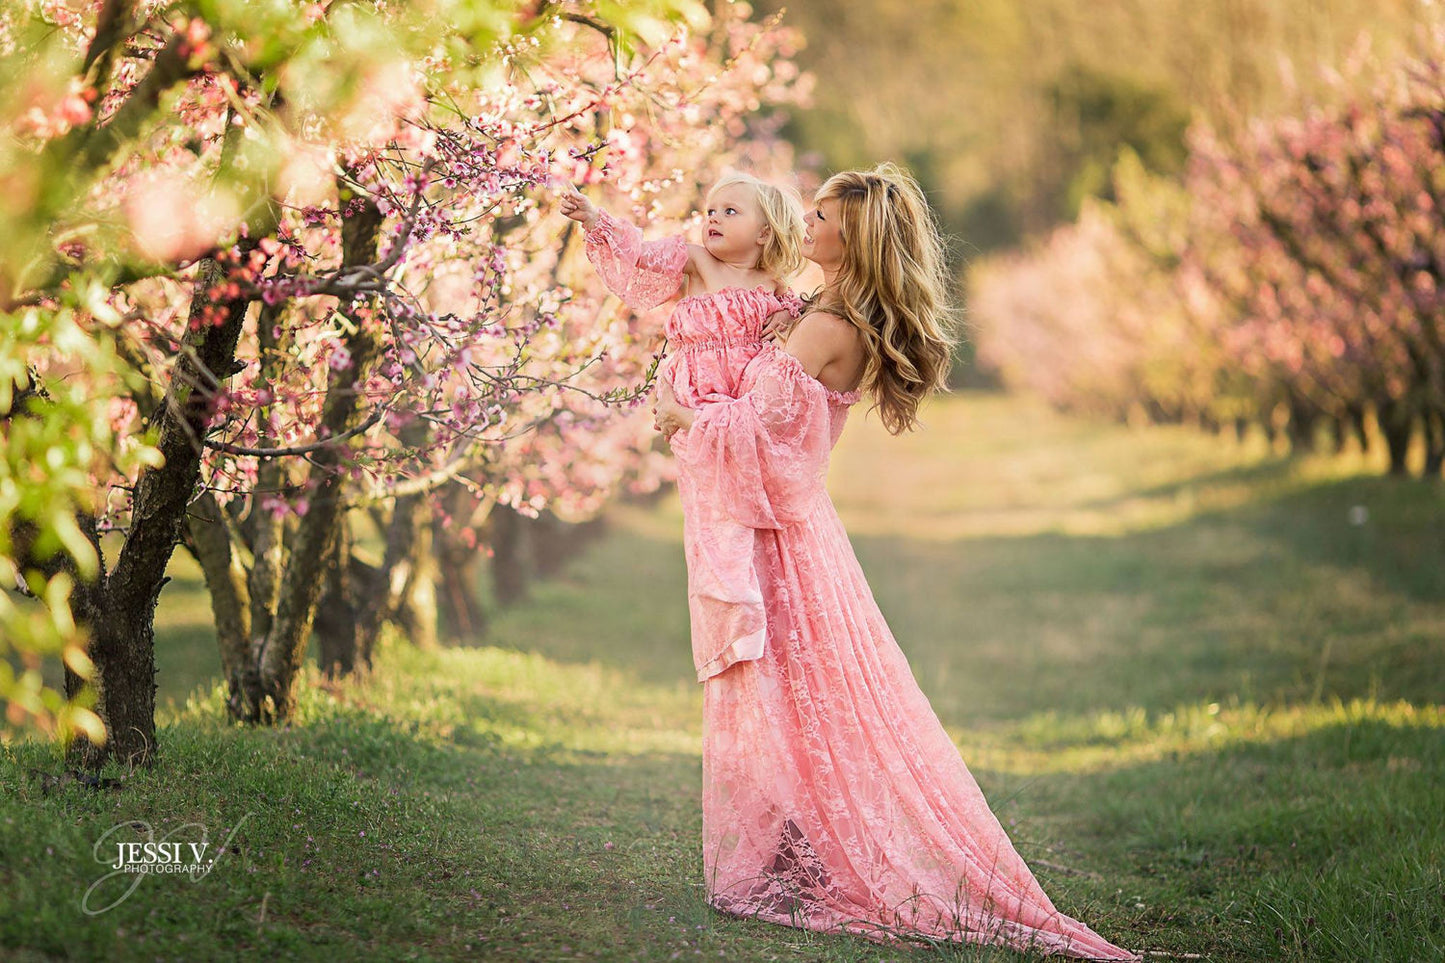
(1012, 113)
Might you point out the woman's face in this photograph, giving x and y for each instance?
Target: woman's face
(822, 237)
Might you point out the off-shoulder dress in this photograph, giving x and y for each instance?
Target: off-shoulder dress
(833, 798)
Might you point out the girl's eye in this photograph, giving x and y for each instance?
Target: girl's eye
(732, 210)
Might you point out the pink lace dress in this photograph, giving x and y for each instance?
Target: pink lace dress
(833, 799)
(714, 337)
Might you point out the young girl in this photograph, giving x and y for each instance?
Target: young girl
(732, 285)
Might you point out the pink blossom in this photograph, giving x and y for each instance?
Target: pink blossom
(172, 220)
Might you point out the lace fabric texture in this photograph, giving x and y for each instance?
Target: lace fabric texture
(833, 799)
(642, 273)
(716, 336)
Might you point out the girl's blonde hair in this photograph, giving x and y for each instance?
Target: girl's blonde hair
(782, 256)
(893, 286)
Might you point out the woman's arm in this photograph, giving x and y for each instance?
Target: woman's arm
(763, 455)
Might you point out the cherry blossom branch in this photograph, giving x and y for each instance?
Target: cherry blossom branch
(317, 445)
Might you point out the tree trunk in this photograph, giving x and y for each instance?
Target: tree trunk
(360, 598)
(550, 539)
(1268, 420)
(286, 574)
(1434, 420)
(120, 609)
(1396, 424)
(241, 559)
(283, 650)
(1300, 428)
(225, 573)
(337, 626)
(267, 530)
(416, 615)
(1339, 433)
(554, 541)
(122, 646)
(509, 562)
(1357, 414)
(463, 620)
(408, 599)
(406, 595)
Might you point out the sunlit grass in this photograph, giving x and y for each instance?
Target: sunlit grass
(1111, 740)
(983, 465)
(521, 700)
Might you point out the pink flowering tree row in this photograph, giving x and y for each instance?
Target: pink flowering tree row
(307, 256)
(1293, 280)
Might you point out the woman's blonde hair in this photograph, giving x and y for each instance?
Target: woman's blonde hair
(893, 286)
(782, 256)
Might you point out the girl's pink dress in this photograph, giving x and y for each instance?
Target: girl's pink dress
(833, 799)
(713, 337)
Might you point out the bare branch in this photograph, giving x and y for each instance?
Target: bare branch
(230, 449)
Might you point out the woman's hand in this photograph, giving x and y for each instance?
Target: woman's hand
(667, 415)
(578, 207)
(777, 326)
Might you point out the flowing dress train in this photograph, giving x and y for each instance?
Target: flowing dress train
(833, 799)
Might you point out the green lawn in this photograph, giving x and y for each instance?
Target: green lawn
(1201, 683)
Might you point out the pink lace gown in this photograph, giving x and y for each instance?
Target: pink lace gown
(833, 799)
(714, 336)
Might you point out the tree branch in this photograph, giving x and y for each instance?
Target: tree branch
(230, 449)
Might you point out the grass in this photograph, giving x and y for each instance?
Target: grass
(1203, 694)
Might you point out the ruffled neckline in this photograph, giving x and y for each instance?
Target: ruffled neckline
(840, 397)
(728, 289)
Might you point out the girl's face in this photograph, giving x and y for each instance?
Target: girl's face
(735, 229)
(822, 237)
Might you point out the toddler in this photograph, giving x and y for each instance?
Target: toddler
(731, 284)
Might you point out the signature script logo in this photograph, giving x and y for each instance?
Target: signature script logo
(153, 856)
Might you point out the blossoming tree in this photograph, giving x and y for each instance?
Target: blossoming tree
(1295, 276)
(265, 263)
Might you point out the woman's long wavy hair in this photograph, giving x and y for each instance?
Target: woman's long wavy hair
(893, 285)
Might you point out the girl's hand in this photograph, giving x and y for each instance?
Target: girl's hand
(578, 207)
(667, 415)
(777, 326)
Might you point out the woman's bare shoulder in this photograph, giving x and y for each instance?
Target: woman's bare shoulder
(823, 328)
(821, 338)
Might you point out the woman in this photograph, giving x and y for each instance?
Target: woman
(832, 798)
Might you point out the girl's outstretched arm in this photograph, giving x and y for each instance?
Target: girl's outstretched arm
(574, 204)
(642, 273)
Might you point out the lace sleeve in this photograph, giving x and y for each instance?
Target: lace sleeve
(642, 273)
(791, 303)
(762, 456)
